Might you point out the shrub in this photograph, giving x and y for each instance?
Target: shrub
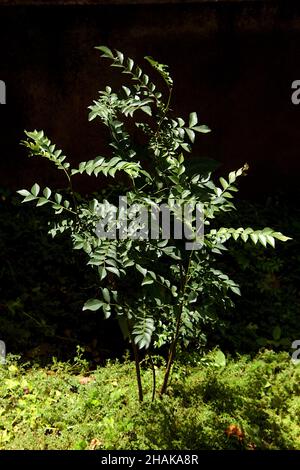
(161, 287)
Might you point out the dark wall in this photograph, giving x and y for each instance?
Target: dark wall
(233, 63)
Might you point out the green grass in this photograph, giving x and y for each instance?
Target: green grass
(247, 404)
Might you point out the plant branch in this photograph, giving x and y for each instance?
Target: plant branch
(172, 352)
(137, 364)
(153, 376)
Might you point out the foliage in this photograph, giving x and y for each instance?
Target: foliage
(159, 291)
(43, 285)
(267, 312)
(245, 404)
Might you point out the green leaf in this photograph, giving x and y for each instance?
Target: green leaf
(162, 69)
(23, 192)
(58, 198)
(193, 119)
(270, 240)
(174, 291)
(57, 207)
(120, 56)
(130, 64)
(244, 236)
(227, 195)
(142, 331)
(262, 239)
(106, 310)
(28, 198)
(147, 280)
(42, 201)
(232, 177)
(185, 147)
(235, 289)
(218, 191)
(203, 129)
(267, 231)
(35, 189)
(254, 238)
(143, 271)
(192, 297)
(47, 192)
(152, 274)
(191, 134)
(106, 51)
(92, 304)
(280, 236)
(106, 294)
(102, 272)
(113, 270)
(224, 183)
(147, 110)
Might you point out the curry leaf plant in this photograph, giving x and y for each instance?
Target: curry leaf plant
(157, 288)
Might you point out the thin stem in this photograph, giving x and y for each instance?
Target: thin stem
(165, 110)
(137, 365)
(63, 207)
(138, 371)
(153, 376)
(72, 192)
(172, 352)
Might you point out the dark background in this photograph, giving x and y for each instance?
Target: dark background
(232, 61)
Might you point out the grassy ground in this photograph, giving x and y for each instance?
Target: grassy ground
(246, 404)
